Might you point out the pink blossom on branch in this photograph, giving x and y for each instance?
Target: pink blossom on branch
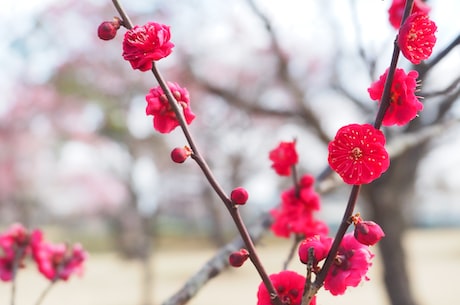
(350, 266)
(144, 44)
(416, 37)
(164, 118)
(15, 246)
(289, 286)
(358, 153)
(57, 261)
(396, 11)
(404, 104)
(284, 156)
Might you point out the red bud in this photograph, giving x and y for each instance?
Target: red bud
(239, 195)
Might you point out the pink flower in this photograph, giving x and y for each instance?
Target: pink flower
(404, 104)
(320, 245)
(416, 37)
(396, 11)
(295, 214)
(15, 246)
(358, 153)
(350, 266)
(367, 232)
(284, 156)
(58, 261)
(15, 236)
(288, 284)
(164, 118)
(147, 43)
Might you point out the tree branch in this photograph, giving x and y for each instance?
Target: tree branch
(217, 264)
(283, 73)
(425, 67)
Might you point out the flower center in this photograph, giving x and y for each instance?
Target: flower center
(356, 153)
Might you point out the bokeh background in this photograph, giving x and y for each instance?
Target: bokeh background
(79, 158)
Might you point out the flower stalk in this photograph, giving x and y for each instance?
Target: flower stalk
(346, 219)
(234, 212)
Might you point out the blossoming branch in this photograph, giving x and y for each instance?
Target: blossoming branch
(357, 154)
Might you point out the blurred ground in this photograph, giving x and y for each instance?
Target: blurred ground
(433, 255)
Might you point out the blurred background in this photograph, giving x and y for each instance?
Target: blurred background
(80, 159)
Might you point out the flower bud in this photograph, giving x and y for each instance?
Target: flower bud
(368, 232)
(107, 30)
(239, 195)
(180, 154)
(237, 259)
(320, 245)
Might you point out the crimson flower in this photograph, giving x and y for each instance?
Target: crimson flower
(358, 153)
(396, 11)
(295, 214)
(416, 37)
(288, 284)
(57, 261)
(164, 118)
(404, 104)
(350, 266)
(284, 156)
(147, 43)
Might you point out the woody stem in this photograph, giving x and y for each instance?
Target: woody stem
(384, 104)
(196, 155)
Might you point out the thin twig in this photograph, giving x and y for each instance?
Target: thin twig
(384, 104)
(45, 293)
(284, 76)
(18, 256)
(427, 66)
(295, 242)
(208, 173)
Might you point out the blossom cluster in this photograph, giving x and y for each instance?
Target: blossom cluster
(142, 46)
(295, 216)
(54, 261)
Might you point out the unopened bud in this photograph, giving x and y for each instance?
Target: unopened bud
(239, 195)
(320, 245)
(368, 232)
(107, 30)
(180, 154)
(237, 259)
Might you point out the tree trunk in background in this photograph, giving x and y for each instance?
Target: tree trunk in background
(215, 209)
(388, 199)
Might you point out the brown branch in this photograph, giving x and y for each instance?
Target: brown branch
(237, 101)
(427, 66)
(283, 73)
(455, 83)
(217, 264)
(407, 141)
(201, 162)
(447, 104)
